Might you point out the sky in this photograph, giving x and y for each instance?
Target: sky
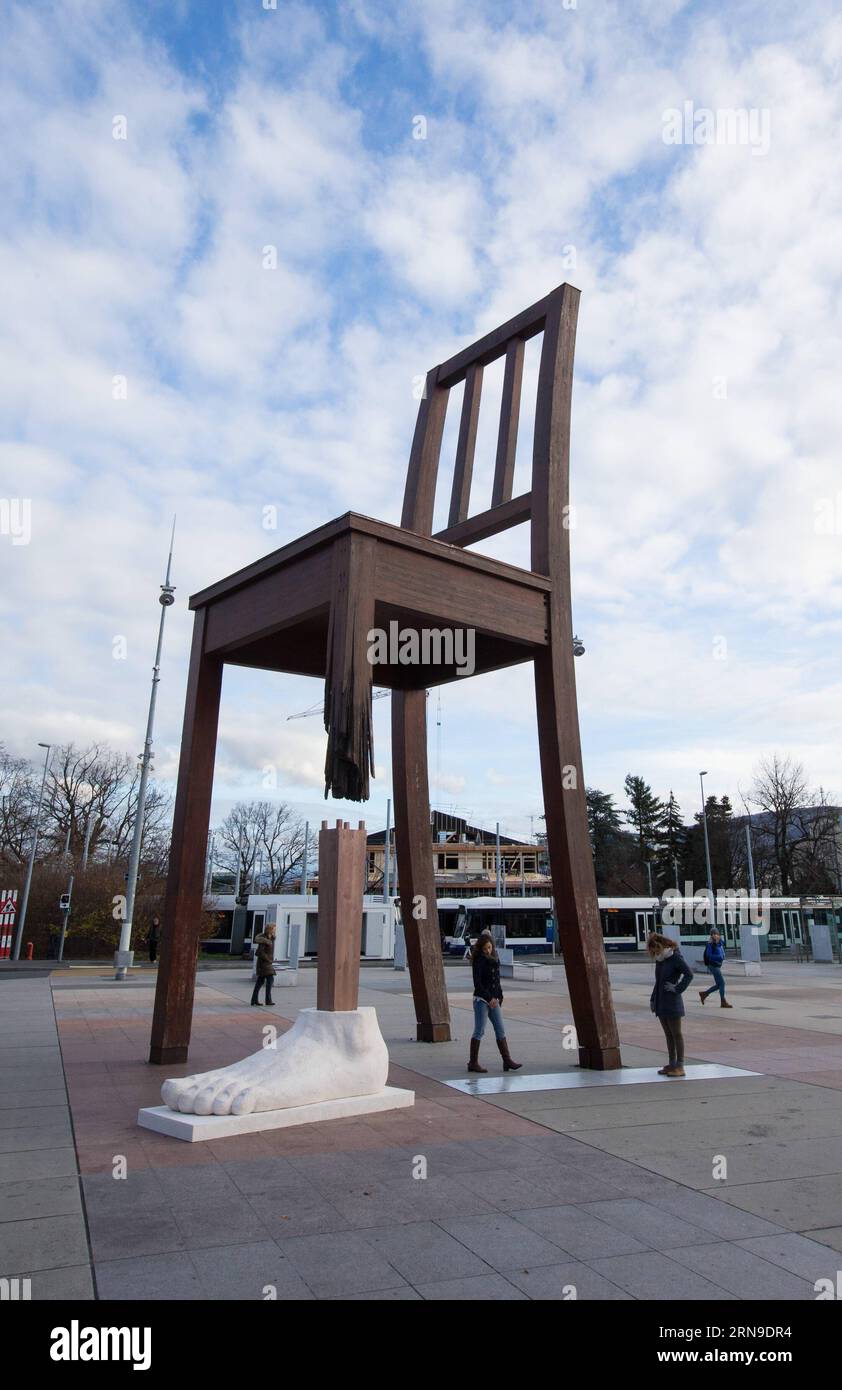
(235, 235)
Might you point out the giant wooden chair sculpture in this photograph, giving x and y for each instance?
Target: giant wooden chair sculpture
(308, 608)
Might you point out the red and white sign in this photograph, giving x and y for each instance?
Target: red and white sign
(8, 912)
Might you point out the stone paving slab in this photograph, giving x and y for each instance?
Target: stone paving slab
(743, 1273)
(558, 1283)
(831, 1235)
(45, 1242)
(657, 1276)
(760, 1160)
(799, 1204)
(479, 1289)
(341, 1264)
(28, 1198)
(809, 1259)
(424, 1251)
(503, 1243)
(73, 1283)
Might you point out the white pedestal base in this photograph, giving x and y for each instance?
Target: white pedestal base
(194, 1128)
(522, 970)
(751, 967)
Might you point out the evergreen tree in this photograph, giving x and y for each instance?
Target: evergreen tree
(722, 839)
(671, 847)
(606, 831)
(645, 815)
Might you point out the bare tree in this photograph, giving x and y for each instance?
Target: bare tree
(88, 785)
(816, 857)
(800, 830)
(156, 822)
(17, 807)
(92, 795)
(264, 833)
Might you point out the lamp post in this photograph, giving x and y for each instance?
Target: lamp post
(31, 864)
(124, 955)
(387, 862)
(712, 910)
(305, 867)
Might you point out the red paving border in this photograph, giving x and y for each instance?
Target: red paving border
(108, 1080)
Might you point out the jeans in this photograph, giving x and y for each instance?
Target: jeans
(262, 980)
(674, 1037)
(481, 1015)
(718, 982)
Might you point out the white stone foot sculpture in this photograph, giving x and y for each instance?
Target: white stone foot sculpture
(323, 1056)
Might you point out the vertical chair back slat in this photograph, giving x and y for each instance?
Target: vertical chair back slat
(419, 497)
(504, 470)
(461, 494)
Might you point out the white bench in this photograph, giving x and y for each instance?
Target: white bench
(521, 970)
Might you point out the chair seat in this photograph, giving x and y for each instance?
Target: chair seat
(277, 613)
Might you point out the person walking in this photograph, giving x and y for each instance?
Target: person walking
(153, 939)
(265, 957)
(672, 976)
(488, 1002)
(714, 956)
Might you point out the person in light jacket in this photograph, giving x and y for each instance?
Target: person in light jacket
(488, 1002)
(714, 956)
(264, 953)
(672, 976)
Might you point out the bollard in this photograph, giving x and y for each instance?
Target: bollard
(29, 949)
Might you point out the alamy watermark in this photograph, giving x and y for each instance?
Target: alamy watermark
(16, 519)
(700, 125)
(735, 904)
(423, 646)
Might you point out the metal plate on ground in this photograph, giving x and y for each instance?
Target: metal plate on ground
(579, 1076)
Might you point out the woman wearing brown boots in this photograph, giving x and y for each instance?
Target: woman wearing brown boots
(488, 1002)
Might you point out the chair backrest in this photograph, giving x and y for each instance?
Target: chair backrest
(545, 505)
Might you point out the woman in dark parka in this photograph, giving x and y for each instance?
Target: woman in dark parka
(488, 1002)
(265, 957)
(672, 976)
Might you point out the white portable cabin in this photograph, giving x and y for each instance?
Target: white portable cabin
(284, 910)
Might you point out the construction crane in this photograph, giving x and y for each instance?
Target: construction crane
(319, 708)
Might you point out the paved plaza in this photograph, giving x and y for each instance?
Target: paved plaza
(608, 1190)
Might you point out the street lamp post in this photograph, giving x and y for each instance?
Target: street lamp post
(31, 864)
(387, 864)
(124, 955)
(65, 911)
(712, 909)
(305, 867)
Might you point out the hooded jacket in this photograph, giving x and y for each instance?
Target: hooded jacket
(672, 976)
(264, 954)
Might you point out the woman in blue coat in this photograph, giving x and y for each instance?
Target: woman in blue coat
(713, 958)
(672, 976)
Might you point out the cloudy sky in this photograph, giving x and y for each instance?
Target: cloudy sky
(153, 364)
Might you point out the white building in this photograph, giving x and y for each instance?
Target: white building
(289, 910)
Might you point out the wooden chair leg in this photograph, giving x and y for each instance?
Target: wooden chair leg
(571, 861)
(172, 1019)
(415, 865)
